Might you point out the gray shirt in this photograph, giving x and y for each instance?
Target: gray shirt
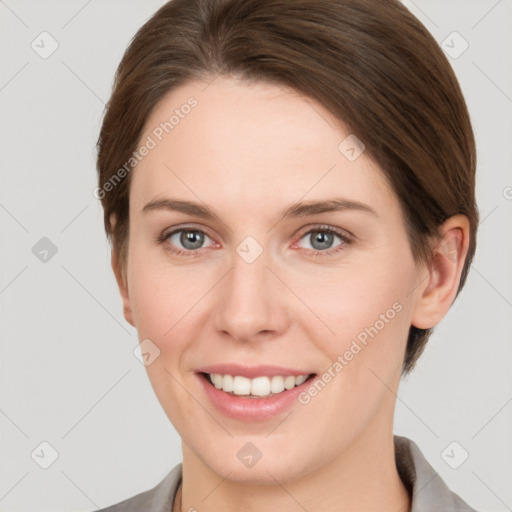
(427, 490)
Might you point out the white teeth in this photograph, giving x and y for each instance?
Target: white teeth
(300, 379)
(277, 384)
(217, 380)
(260, 386)
(227, 382)
(289, 382)
(241, 385)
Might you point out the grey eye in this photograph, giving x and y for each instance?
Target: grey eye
(320, 239)
(188, 239)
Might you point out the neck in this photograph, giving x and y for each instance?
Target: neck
(363, 478)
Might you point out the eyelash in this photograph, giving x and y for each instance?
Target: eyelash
(346, 239)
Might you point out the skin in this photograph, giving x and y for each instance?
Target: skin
(248, 151)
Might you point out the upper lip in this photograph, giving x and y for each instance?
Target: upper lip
(252, 372)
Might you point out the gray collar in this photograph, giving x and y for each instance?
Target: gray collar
(428, 491)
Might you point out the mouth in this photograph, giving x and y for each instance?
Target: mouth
(255, 388)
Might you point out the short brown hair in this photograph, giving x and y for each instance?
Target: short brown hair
(371, 63)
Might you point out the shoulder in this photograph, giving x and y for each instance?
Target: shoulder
(428, 490)
(158, 499)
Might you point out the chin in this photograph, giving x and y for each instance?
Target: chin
(245, 463)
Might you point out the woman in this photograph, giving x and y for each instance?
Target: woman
(289, 191)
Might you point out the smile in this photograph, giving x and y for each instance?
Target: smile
(258, 387)
(252, 393)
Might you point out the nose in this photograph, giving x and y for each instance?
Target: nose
(251, 302)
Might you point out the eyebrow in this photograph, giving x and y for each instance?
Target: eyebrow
(301, 209)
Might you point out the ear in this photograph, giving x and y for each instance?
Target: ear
(122, 282)
(123, 287)
(440, 290)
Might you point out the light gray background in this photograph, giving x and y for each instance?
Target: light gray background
(68, 374)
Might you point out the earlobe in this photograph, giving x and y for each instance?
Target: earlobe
(444, 272)
(122, 284)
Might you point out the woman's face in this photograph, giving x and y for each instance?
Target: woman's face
(268, 285)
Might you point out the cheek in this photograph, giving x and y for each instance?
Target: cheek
(162, 300)
(368, 309)
(155, 306)
(161, 293)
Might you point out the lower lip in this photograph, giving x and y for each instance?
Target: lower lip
(252, 409)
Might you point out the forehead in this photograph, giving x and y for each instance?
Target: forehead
(259, 143)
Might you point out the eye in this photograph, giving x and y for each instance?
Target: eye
(188, 241)
(184, 241)
(321, 240)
